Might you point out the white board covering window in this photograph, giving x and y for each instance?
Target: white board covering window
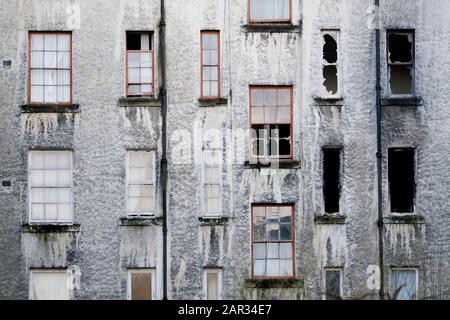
(50, 179)
(212, 284)
(212, 176)
(50, 285)
(140, 182)
(50, 67)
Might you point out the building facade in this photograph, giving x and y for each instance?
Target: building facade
(271, 130)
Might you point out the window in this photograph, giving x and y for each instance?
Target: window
(140, 57)
(403, 284)
(273, 244)
(141, 284)
(50, 181)
(140, 182)
(212, 284)
(210, 61)
(50, 284)
(212, 177)
(330, 69)
(270, 118)
(50, 68)
(400, 57)
(331, 179)
(264, 11)
(402, 183)
(333, 280)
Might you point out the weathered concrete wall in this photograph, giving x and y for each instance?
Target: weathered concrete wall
(101, 132)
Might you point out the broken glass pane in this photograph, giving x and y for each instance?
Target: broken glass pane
(329, 49)
(400, 48)
(330, 79)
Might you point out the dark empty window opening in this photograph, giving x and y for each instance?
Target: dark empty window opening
(401, 179)
(401, 62)
(331, 179)
(330, 62)
(333, 284)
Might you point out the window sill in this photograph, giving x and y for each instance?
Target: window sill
(213, 221)
(402, 101)
(329, 101)
(141, 101)
(273, 164)
(272, 27)
(404, 219)
(274, 283)
(50, 228)
(206, 102)
(136, 221)
(50, 108)
(329, 218)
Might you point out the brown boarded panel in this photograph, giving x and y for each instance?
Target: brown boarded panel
(141, 286)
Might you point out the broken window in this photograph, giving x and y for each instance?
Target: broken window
(141, 284)
(50, 186)
(271, 132)
(401, 179)
(140, 182)
(333, 284)
(269, 11)
(403, 284)
(212, 176)
(400, 53)
(330, 69)
(210, 64)
(331, 179)
(50, 67)
(50, 284)
(140, 79)
(212, 284)
(273, 244)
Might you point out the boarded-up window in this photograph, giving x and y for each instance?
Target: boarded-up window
(140, 182)
(403, 284)
(50, 186)
(212, 176)
(50, 67)
(50, 285)
(333, 284)
(212, 278)
(273, 244)
(140, 79)
(140, 284)
(210, 57)
(400, 56)
(263, 11)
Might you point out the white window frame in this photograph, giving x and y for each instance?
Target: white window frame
(416, 271)
(341, 281)
(335, 33)
(63, 270)
(70, 221)
(220, 169)
(207, 271)
(152, 271)
(127, 162)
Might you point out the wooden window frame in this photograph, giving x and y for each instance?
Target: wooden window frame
(412, 65)
(268, 21)
(271, 157)
(292, 241)
(30, 33)
(335, 34)
(217, 33)
(152, 272)
(152, 51)
(207, 214)
(30, 219)
(218, 271)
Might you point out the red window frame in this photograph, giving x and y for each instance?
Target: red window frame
(217, 33)
(292, 206)
(268, 21)
(270, 157)
(30, 33)
(152, 83)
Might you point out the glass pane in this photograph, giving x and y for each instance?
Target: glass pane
(64, 94)
(285, 250)
(146, 75)
(284, 114)
(63, 42)
(37, 59)
(51, 160)
(206, 60)
(259, 232)
(64, 195)
(285, 232)
(64, 212)
(284, 97)
(286, 268)
(214, 44)
(51, 178)
(259, 268)
(270, 97)
(206, 73)
(133, 75)
(269, 9)
(273, 251)
(147, 88)
(134, 175)
(64, 160)
(257, 97)
(146, 60)
(37, 94)
(37, 42)
(37, 211)
(273, 213)
(134, 89)
(206, 41)
(285, 214)
(214, 88)
(63, 77)
(256, 9)
(37, 160)
(273, 268)
(64, 60)
(206, 89)
(64, 178)
(37, 178)
(50, 77)
(270, 114)
(258, 114)
(50, 60)
(51, 195)
(51, 212)
(273, 231)
(50, 42)
(37, 195)
(259, 214)
(259, 251)
(214, 58)
(134, 59)
(214, 73)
